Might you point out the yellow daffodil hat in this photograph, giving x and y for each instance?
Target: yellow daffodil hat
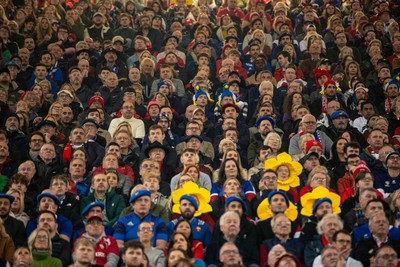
(310, 201)
(201, 194)
(295, 169)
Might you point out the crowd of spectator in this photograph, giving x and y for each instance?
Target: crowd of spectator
(199, 133)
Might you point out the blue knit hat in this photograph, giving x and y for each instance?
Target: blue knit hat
(161, 84)
(191, 200)
(319, 202)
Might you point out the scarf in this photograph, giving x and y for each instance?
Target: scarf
(324, 100)
(388, 105)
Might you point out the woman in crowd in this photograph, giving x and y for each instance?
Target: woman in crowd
(40, 244)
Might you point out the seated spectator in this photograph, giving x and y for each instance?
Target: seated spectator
(155, 255)
(106, 246)
(60, 248)
(114, 203)
(40, 244)
(49, 202)
(326, 228)
(230, 227)
(379, 227)
(126, 226)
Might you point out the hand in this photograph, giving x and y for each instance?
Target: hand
(53, 208)
(47, 137)
(37, 120)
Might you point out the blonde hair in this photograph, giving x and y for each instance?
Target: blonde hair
(21, 202)
(32, 238)
(319, 169)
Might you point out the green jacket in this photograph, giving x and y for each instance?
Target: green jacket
(44, 259)
(114, 205)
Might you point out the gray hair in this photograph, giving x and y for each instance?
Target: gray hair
(327, 217)
(228, 214)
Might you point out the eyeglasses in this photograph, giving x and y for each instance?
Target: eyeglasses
(387, 256)
(146, 229)
(230, 252)
(193, 128)
(319, 179)
(42, 237)
(310, 123)
(283, 223)
(150, 166)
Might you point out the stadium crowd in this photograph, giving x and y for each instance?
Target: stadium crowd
(199, 133)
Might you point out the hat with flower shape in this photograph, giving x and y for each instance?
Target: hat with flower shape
(201, 194)
(309, 199)
(198, 92)
(295, 169)
(264, 212)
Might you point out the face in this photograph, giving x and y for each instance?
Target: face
(77, 168)
(100, 183)
(12, 124)
(187, 209)
(48, 222)
(330, 227)
(77, 136)
(141, 206)
(194, 173)
(112, 179)
(375, 139)
(319, 179)
(5, 207)
(84, 254)
(180, 242)
(232, 187)
(386, 257)
(4, 151)
(330, 257)
(282, 226)
(278, 204)
(174, 256)
(23, 257)
(340, 146)
(59, 187)
(379, 225)
(66, 115)
(41, 241)
(110, 162)
(231, 169)
(229, 255)
(309, 124)
(28, 169)
(231, 226)
(47, 152)
(343, 243)
(283, 173)
(123, 140)
(323, 209)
